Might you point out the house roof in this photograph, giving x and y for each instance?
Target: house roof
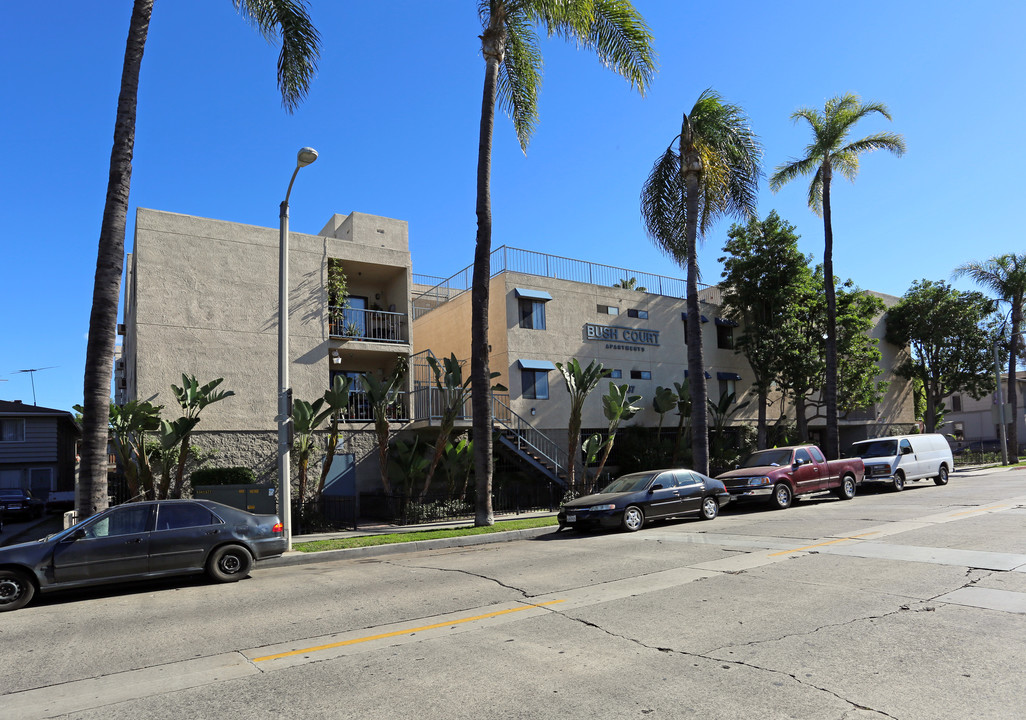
(16, 408)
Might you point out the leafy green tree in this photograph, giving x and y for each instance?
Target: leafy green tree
(453, 392)
(579, 384)
(382, 395)
(618, 407)
(306, 418)
(803, 350)
(762, 272)
(630, 284)
(193, 398)
(831, 149)
(683, 417)
(949, 337)
(664, 400)
(336, 403)
(296, 65)
(614, 31)
(1005, 276)
(714, 172)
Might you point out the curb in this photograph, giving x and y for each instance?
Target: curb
(301, 558)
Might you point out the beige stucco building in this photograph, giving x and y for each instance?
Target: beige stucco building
(201, 298)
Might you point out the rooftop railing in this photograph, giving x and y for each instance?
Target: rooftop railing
(528, 262)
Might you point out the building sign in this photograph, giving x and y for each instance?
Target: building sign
(621, 338)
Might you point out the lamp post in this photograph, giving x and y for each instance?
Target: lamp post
(305, 156)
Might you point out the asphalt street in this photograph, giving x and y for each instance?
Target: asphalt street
(893, 605)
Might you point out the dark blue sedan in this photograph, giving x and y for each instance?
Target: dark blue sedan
(139, 541)
(632, 500)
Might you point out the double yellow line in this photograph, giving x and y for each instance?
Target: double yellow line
(397, 633)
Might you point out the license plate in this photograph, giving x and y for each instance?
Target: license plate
(571, 518)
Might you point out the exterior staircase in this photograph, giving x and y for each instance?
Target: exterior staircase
(529, 445)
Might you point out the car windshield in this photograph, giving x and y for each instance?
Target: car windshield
(767, 457)
(629, 483)
(877, 448)
(11, 493)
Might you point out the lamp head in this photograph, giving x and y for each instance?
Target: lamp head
(305, 156)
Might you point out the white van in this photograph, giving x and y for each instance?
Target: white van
(900, 458)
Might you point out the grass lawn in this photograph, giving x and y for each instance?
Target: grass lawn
(403, 537)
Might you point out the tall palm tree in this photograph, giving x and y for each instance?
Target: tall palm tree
(714, 172)
(612, 29)
(830, 149)
(1005, 276)
(296, 66)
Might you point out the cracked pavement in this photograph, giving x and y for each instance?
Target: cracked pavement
(831, 609)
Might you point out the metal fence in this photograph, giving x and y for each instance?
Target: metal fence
(373, 325)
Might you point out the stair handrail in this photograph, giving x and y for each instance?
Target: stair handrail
(546, 447)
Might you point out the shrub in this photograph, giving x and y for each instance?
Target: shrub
(223, 476)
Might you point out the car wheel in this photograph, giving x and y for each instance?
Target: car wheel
(942, 475)
(710, 508)
(898, 483)
(229, 563)
(633, 519)
(16, 590)
(847, 489)
(782, 496)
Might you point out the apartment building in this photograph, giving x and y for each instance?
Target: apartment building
(546, 309)
(201, 298)
(973, 423)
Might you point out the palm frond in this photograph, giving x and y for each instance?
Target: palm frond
(520, 77)
(623, 42)
(815, 197)
(846, 163)
(662, 205)
(300, 43)
(892, 142)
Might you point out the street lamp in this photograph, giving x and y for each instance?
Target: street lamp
(303, 158)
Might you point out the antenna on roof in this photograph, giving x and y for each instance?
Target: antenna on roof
(32, 374)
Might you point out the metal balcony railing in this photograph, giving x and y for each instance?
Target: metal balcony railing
(361, 410)
(369, 325)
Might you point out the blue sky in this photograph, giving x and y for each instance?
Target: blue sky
(394, 113)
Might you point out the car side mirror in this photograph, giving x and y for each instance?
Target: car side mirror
(655, 487)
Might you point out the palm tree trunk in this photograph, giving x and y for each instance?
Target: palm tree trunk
(760, 431)
(480, 375)
(801, 424)
(833, 443)
(696, 359)
(91, 493)
(1013, 385)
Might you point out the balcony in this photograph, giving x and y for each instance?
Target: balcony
(362, 410)
(378, 326)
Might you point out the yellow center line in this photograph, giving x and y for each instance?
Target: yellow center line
(993, 507)
(403, 632)
(828, 542)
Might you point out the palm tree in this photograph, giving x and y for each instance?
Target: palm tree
(382, 395)
(296, 66)
(615, 31)
(618, 406)
(715, 172)
(579, 384)
(192, 397)
(830, 149)
(1005, 276)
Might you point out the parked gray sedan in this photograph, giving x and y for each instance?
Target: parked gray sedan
(139, 541)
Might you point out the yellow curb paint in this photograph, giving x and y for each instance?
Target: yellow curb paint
(978, 510)
(829, 542)
(409, 631)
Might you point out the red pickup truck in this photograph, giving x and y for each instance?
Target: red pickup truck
(781, 474)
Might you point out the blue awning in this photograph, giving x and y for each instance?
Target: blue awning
(727, 376)
(536, 365)
(726, 322)
(532, 294)
(684, 317)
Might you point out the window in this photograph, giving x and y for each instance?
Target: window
(12, 430)
(956, 403)
(121, 521)
(686, 478)
(534, 384)
(186, 515)
(817, 455)
(724, 337)
(615, 374)
(641, 375)
(642, 314)
(609, 310)
(801, 455)
(532, 314)
(729, 387)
